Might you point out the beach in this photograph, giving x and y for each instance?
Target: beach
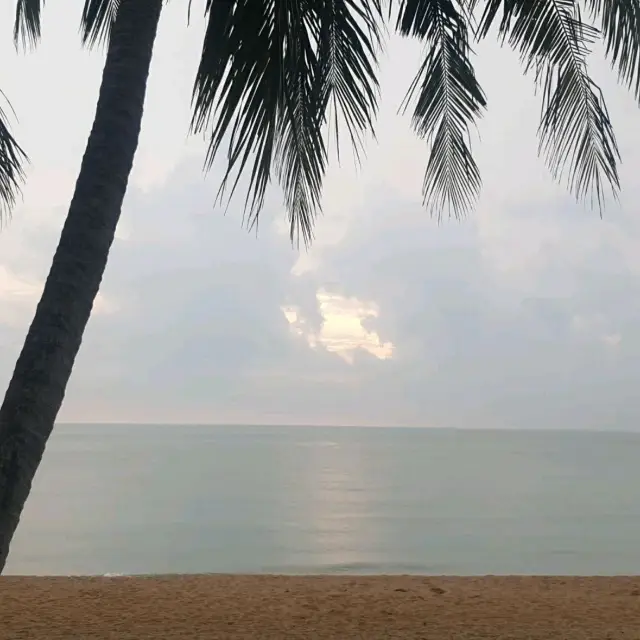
(320, 607)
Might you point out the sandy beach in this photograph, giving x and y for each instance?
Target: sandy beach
(318, 607)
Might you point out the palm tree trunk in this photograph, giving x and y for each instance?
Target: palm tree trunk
(37, 388)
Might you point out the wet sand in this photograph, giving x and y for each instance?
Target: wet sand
(320, 607)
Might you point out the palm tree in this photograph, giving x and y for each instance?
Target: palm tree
(272, 76)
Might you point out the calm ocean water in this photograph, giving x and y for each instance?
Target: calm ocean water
(164, 499)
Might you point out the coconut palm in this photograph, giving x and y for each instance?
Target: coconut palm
(273, 76)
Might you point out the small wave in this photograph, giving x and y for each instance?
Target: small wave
(318, 443)
(360, 568)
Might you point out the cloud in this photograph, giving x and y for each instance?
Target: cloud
(525, 314)
(343, 327)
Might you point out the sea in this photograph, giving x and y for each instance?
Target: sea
(151, 499)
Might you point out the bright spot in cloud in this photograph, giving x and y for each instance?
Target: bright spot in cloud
(594, 328)
(612, 340)
(342, 331)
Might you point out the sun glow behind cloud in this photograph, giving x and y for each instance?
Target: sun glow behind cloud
(342, 331)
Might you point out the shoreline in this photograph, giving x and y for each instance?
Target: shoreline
(320, 607)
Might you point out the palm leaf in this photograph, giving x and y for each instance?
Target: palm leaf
(27, 26)
(576, 135)
(619, 22)
(448, 100)
(349, 37)
(263, 87)
(96, 22)
(12, 158)
(300, 154)
(237, 90)
(97, 19)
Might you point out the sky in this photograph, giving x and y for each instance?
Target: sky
(525, 314)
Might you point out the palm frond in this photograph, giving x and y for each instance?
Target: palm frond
(238, 90)
(449, 100)
(12, 159)
(300, 154)
(619, 22)
(263, 87)
(576, 135)
(97, 19)
(27, 25)
(350, 38)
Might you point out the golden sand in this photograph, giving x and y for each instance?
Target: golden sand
(320, 607)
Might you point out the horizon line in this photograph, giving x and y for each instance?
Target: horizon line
(293, 425)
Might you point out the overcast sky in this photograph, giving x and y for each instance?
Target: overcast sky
(524, 315)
